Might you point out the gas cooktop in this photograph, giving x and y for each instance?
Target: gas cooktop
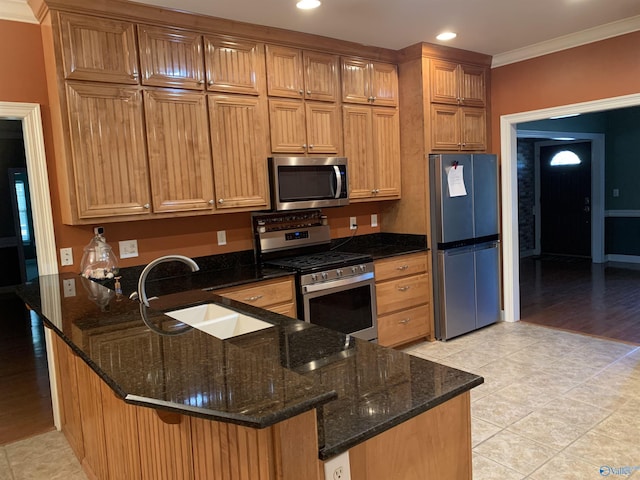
(319, 261)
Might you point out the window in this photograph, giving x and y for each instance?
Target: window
(565, 157)
(22, 212)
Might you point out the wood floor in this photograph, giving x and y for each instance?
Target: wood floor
(577, 295)
(25, 397)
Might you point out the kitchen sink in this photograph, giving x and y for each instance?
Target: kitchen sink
(218, 321)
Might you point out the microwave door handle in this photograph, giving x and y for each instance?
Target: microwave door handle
(336, 169)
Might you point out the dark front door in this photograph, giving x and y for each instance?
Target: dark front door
(565, 200)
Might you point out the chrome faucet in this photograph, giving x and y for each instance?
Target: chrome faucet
(141, 294)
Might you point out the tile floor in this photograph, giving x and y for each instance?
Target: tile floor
(554, 405)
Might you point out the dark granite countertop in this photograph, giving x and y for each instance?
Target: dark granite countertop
(358, 388)
(382, 245)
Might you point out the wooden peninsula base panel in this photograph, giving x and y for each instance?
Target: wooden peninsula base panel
(116, 440)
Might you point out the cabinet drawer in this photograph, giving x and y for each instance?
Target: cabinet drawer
(261, 294)
(287, 309)
(402, 293)
(401, 266)
(404, 326)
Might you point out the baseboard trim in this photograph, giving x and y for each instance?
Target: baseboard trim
(623, 258)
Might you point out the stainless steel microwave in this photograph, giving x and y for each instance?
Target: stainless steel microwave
(305, 182)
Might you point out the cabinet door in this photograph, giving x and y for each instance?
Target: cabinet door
(384, 84)
(234, 66)
(473, 89)
(356, 80)
(386, 148)
(240, 147)
(358, 148)
(109, 159)
(179, 155)
(287, 121)
(98, 49)
(320, 76)
(473, 128)
(284, 72)
(444, 82)
(445, 127)
(323, 128)
(170, 58)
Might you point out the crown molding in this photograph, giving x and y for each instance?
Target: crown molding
(17, 11)
(595, 34)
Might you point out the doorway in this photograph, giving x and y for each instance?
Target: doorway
(509, 187)
(565, 198)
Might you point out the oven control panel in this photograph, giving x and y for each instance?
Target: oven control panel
(353, 272)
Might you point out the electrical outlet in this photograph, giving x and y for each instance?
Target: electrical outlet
(338, 468)
(69, 287)
(66, 256)
(352, 223)
(616, 192)
(374, 219)
(222, 237)
(128, 248)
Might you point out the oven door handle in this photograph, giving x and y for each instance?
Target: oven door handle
(336, 170)
(343, 282)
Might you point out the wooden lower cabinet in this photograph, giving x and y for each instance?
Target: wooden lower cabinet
(433, 445)
(403, 298)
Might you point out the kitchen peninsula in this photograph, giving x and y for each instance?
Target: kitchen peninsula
(145, 396)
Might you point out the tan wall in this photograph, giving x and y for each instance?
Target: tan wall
(23, 80)
(605, 69)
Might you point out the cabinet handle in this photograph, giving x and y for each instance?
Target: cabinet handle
(253, 299)
(404, 289)
(404, 321)
(147, 206)
(402, 267)
(221, 200)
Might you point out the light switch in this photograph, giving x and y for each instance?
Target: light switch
(222, 237)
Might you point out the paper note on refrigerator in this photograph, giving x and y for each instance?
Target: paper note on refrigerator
(455, 179)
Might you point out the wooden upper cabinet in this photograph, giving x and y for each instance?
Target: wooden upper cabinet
(372, 145)
(458, 84)
(294, 73)
(234, 66)
(240, 147)
(171, 57)
(304, 127)
(110, 169)
(320, 76)
(179, 154)
(98, 49)
(458, 128)
(284, 72)
(367, 82)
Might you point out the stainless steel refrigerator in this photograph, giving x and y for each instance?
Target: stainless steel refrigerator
(465, 242)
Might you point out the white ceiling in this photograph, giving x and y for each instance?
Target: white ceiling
(494, 27)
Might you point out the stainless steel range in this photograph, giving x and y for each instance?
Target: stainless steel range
(335, 289)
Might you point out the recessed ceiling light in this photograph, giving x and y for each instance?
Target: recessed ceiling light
(447, 36)
(308, 4)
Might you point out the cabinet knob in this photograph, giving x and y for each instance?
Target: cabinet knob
(301, 92)
(373, 99)
(211, 82)
(404, 289)
(212, 202)
(221, 201)
(147, 206)
(135, 75)
(370, 99)
(304, 145)
(308, 92)
(200, 82)
(311, 146)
